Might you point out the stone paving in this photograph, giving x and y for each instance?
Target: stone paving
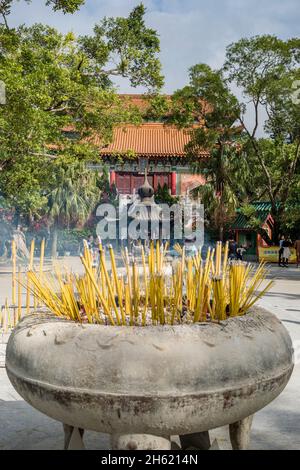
(3, 341)
(277, 426)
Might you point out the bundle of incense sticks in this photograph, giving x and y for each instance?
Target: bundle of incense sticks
(10, 314)
(198, 289)
(178, 248)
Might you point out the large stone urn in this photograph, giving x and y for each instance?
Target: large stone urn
(144, 384)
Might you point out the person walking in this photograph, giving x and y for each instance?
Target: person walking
(240, 251)
(280, 252)
(286, 252)
(297, 248)
(232, 249)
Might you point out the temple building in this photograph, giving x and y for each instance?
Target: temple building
(248, 237)
(153, 145)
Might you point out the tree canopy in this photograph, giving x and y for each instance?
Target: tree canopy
(248, 162)
(265, 69)
(209, 107)
(60, 92)
(66, 6)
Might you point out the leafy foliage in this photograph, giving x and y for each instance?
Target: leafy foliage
(211, 109)
(244, 166)
(67, 6)
(73, 193)
(128, 46)
(60, 94)
(266, 69)
(163, 196)
(159, 108)
(72, 196)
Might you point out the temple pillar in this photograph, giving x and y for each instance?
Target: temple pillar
(173, 183)
(112, 177)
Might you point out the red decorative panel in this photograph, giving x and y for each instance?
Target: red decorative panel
(162, 179)
(136, 182)
(123, 183)
(127, 182)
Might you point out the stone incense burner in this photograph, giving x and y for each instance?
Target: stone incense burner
(143, 384)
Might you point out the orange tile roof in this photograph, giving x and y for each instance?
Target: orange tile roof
(148, 139)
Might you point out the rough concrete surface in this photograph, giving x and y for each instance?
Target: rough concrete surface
(277, 426)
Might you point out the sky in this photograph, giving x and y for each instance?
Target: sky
(190, 31)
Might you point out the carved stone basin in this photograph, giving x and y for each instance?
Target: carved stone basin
(150, 381)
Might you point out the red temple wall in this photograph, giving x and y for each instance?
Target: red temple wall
(190, 181)
(127, 182)
(178, 183)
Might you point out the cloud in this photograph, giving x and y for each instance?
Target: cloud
(191, 31)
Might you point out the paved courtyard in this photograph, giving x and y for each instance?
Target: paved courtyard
(275, 427)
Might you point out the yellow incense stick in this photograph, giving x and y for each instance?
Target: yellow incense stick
(102, 300)
(30, 266)
(19, 293)
(196, 291)
(14, 271)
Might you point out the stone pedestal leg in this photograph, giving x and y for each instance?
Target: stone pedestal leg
(139, 442)
(73, 438)
(240, 433)
(199, 440)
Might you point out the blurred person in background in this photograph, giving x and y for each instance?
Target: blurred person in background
(297, 248)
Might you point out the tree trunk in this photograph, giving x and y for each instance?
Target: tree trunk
(17, 218)
(277, 216)
(221, 232)
(276, 232)
(221, 218)
(54, 241)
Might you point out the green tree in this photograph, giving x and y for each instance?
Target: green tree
(67, 6)
(266, 69)
(128, 46)
(60, 95)
(72, 197)
(208, 107)
(291, 218)
(162, 196)
(23, 186)
(245, 164)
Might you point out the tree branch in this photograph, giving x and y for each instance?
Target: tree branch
(5, 20)
(256, 103)
(290, 174)
(47, 155)
(115, 72)
(58, 110)
(261, 161)
(57, 107)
